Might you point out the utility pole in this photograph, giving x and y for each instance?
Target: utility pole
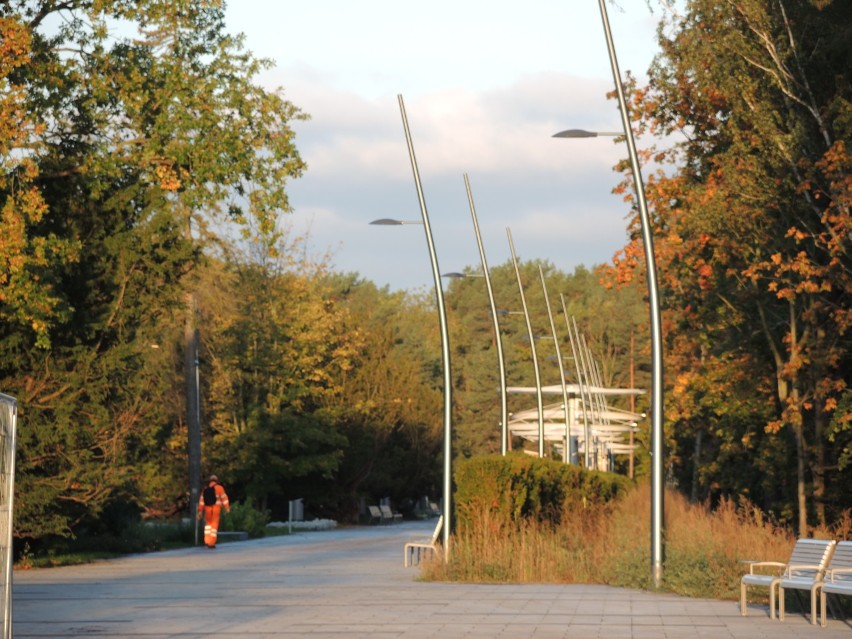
(193, 412)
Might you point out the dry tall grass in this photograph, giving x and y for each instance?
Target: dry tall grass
(609, 544)
(704, 547)
(492, 550)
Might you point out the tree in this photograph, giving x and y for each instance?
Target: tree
(276, 355)
(752, 220)
(129, 146)
(389, 407)
(28, 298)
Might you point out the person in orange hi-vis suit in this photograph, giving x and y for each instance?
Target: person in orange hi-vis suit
(213, 499)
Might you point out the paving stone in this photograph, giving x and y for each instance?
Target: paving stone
(350, 583)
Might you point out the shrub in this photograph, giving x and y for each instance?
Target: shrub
(518, 487)
(134, 538)
(521, 518)
(246, 518)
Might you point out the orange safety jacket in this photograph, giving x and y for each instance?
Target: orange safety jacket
(221, 498)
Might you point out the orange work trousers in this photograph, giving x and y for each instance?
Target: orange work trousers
(211, 524)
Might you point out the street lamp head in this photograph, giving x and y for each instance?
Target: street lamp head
(387, 221)
(454, 275)
(581, 133)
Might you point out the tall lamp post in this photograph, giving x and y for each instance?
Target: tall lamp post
(538, 394)
(445, 336)
(583, 382)
(598, 401)
(657, 453)
(565, 406)
(498, 340)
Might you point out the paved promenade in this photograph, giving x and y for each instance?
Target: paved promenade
(349, 584)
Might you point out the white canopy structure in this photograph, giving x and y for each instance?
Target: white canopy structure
(574, 389)
(591, 422)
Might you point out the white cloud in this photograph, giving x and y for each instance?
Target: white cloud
(486, 85)
(456, 131)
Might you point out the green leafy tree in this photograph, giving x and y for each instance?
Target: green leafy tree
(127, 146)
(390, 404)
(29, 260)
(277, 348)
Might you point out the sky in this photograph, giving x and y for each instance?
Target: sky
(485, 85)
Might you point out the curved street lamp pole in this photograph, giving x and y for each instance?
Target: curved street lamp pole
(657, 495)
(445, 343)
(566, 409)
(577, 366)
(447, 510)
(596, 397)
(498, 340)
(585, 390)
(538, 393)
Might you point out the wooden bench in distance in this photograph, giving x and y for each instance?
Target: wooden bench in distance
(389, 515)
(375, 515)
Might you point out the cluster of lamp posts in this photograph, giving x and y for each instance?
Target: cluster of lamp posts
(602, 426)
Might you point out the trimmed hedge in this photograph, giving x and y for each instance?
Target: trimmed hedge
(519, 487)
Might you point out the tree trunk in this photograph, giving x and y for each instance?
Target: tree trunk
(788, 396)
(818, 464)
(801, 497)
(798, 424)
(696, 462)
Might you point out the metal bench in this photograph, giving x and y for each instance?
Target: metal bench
(415, 548)
(807, 561)
(389, 515)
(803, 577)
(375, 515)
(838, 578)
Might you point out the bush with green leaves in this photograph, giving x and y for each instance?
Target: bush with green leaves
(245, 518)
(518, 487)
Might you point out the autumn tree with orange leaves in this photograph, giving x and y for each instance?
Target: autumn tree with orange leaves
(752, 232)
(127, 129)
(27, 293)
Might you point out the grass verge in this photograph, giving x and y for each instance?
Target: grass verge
(609, 544)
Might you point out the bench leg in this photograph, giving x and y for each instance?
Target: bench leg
(743, 610)
(814, 590)
(780, 602)
(772, 589)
